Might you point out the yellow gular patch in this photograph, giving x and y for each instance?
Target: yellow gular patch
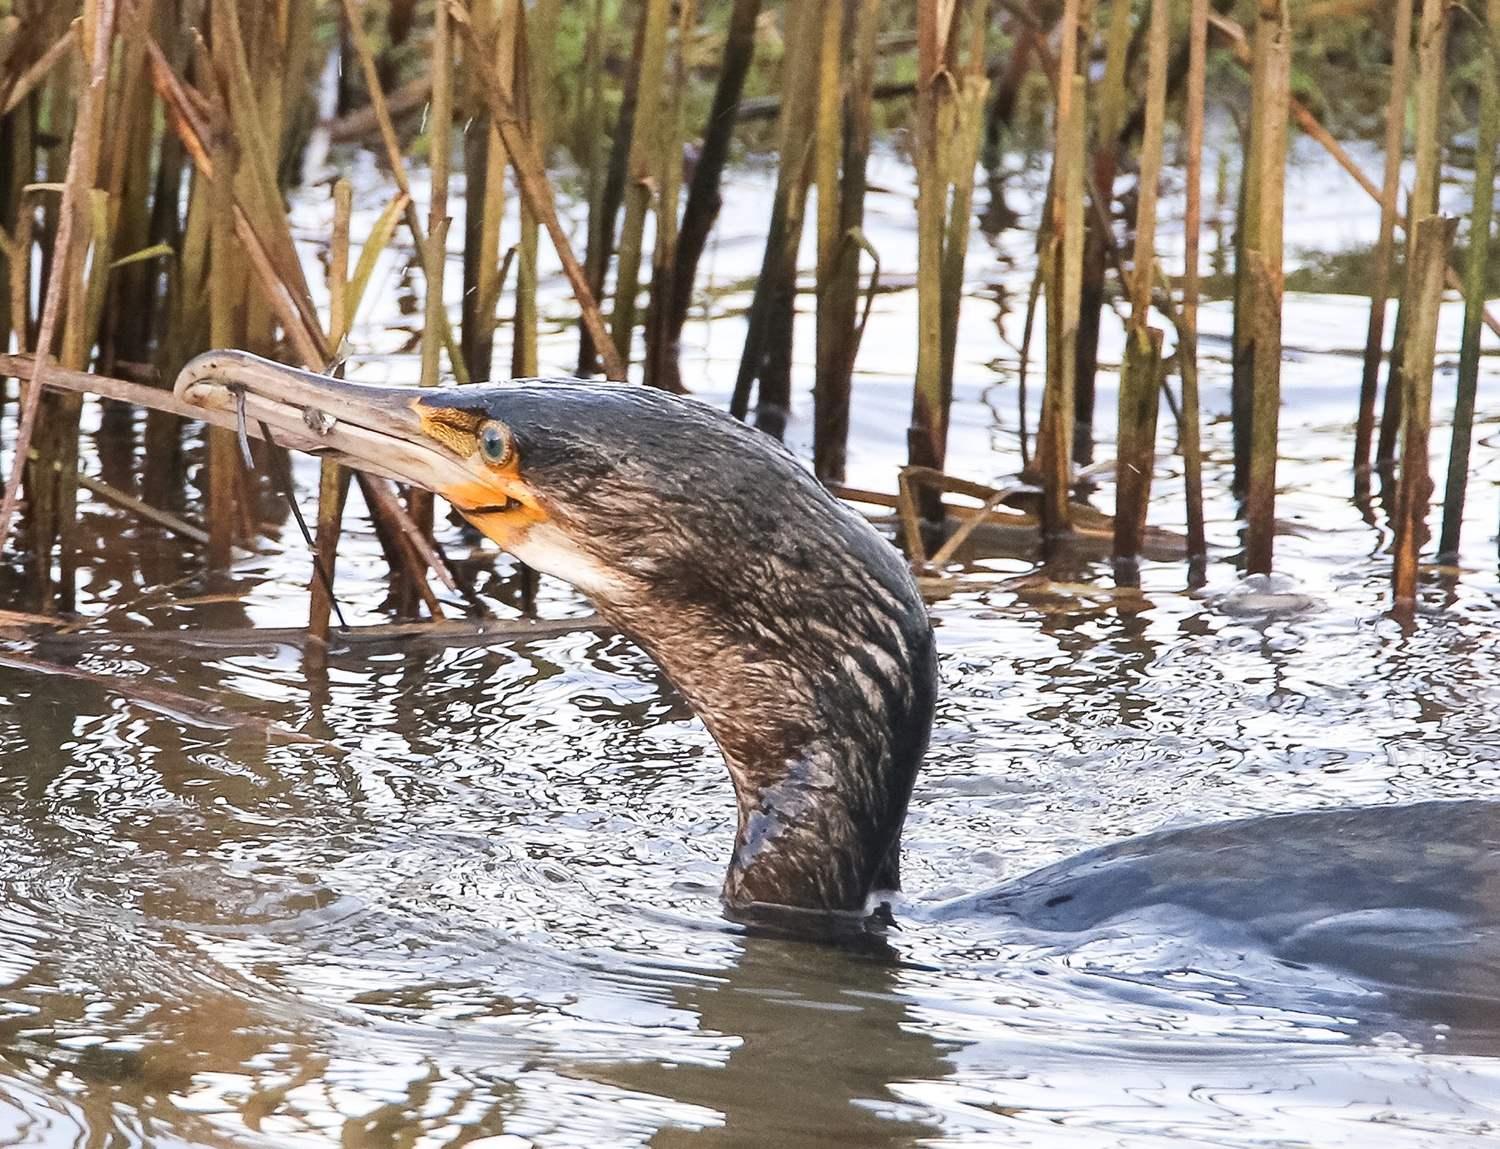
(455, 429)
(507, 528)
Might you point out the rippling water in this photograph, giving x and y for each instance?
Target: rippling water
(490, 905)
(482, 907)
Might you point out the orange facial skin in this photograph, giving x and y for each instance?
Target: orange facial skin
(496, 499)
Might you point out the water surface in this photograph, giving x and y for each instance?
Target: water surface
(482, 906)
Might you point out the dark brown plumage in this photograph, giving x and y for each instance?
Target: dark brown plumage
(789, 625)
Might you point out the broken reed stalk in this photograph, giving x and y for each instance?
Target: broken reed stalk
(767, 354)
(1380, 273)
(1063, 258)
(484, 195)
(1141, 373)
(1110, 99)
(644, 172)
(839, 244)
(1424, 293)
(65, 275)
(1189, 433)
(660, 366)
(704, 199)
(1475, 266)
(1261, 286)
(1432, 38)
(333, 480)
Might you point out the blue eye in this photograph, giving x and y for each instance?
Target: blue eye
(494, 444)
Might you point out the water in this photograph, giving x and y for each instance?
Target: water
(482, 906)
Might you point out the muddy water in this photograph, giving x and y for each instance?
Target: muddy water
(480, 907)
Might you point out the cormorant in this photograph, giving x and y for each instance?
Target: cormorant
(788, 624)
(800, 638)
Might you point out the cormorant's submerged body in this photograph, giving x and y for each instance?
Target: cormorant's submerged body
(800, 638)
(1399, 901)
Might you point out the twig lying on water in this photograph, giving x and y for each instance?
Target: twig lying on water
(143, 510)
(197, 711)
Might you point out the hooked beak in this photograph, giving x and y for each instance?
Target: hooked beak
(370, 427)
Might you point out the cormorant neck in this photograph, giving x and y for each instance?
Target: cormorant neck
(822, 720)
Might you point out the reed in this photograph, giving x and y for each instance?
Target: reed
(484, 175)
(1395, 138)
(49, 493)
(949, 120)
(704, 199)
(644, 171)
(1141, 374)
(146, 149)
(767, 356)
(659, 369)
(1189, 436)
(333, 480)
(1424, 296)
(841, 182)
(1062, 276)
(1475, 267)
(534, 49)
(1261, 280)
(607, 190)
(1432, 38)
(1109, 97)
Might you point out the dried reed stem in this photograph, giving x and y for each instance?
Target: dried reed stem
(1474, 285)
(83, 166)
(1189, 434)
(1424, 293)
(1265, 180)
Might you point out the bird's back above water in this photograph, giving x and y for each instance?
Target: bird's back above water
(1390, 911)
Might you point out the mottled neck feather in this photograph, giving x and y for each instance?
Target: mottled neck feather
(822, 708)
(793, 629)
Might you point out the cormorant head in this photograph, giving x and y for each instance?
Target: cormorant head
(788, 624)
